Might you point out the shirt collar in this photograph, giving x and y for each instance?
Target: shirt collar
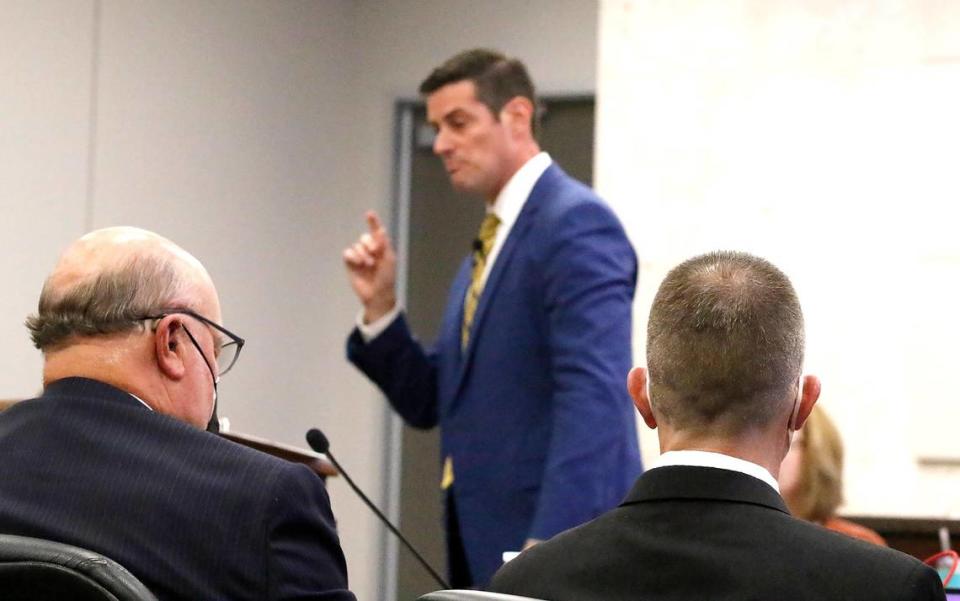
(717, 460)
(510, 201)
(141, 400)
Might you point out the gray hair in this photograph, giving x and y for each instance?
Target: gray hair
(724, 343)
(112, 301)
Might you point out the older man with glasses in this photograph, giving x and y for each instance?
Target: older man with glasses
(226, 352)
(113, 455)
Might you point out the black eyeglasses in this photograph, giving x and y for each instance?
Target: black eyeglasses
(226, 352)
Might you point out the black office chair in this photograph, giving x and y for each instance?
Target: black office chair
(32, 569)
(457, 595)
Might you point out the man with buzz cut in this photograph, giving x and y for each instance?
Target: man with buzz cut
(114, 457)
(725, 390)
(526, 376)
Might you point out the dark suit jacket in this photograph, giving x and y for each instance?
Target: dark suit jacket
(703, 533)
(192, 515)
(535, 413)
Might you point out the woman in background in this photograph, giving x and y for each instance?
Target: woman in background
(811, 478)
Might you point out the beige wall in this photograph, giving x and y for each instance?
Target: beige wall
(224, 125)
(254, 134)
(821, 135)
(44, 135)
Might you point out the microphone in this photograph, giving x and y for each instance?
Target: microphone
(319, 443)
(477, 254)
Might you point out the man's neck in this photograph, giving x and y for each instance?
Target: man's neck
(757, 448)
(114, 366)
(520, 158)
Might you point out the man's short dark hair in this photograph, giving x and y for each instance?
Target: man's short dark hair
(497, 78)
(724, 344)
(111, 302)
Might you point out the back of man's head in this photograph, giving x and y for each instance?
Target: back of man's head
(107, 282)
(724, 345)
(115, 309)
(497, 77)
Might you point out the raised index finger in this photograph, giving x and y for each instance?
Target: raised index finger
(377, 230)
(373, 222)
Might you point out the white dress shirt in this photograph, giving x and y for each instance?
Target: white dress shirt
(506, 207)
(717, 460)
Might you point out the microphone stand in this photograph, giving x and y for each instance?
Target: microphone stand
(319, 443)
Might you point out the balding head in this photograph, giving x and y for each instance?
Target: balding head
(108, 280)
(121, 307)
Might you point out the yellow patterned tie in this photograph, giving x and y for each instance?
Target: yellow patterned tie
(488, 230)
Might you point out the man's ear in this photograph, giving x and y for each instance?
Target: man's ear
(808, 398)
(169, 346)
(517, 113)
(638, 389)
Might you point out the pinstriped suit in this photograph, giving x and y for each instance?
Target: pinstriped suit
(191, 515)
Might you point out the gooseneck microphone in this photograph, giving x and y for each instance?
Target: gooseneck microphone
(319, 443)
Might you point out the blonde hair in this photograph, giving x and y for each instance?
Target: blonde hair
(820, 488)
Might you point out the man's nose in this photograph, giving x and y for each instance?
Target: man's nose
(441, 143)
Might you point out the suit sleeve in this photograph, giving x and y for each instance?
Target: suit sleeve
(304, 558)
(590, 277)
(402, 369)
(923, 582)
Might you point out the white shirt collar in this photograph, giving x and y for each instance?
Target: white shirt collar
(510, 201)
(141, 400)
(717, 460)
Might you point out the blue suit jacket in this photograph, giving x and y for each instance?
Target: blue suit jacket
(535, 412)
(192, 515)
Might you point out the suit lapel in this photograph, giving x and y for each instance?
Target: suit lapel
(458, 295)
(518, 232)
(448, 345)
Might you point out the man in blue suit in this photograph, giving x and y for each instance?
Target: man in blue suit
(526, 377)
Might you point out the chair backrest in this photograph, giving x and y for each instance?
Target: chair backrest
(458, 595)
(36, 570)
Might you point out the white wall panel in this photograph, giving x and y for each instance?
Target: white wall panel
(823, 136)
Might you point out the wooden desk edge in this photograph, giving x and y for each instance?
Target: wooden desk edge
(906, 524)
(315, 461)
